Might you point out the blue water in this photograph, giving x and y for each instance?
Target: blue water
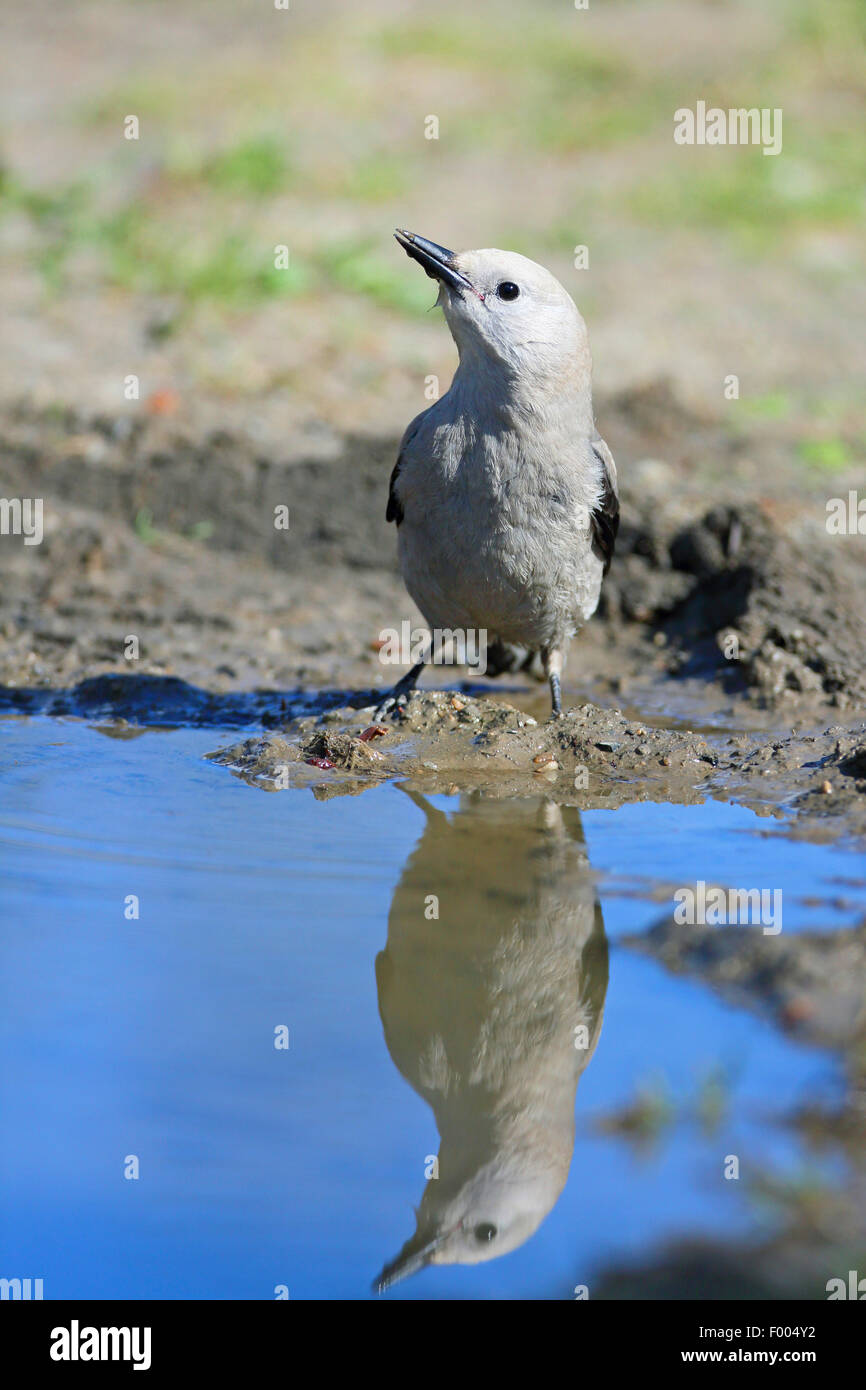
(301, 1167)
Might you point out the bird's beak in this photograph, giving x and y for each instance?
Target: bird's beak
(436, 260)
(412, 1258)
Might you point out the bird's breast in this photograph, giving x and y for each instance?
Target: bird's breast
(495, 540)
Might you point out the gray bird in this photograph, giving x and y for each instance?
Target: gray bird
(492, 1011)
(504, 494)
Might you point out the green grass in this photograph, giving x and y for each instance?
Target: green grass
(143, 249)
(145, 255)
(743, 194)
(830, 454)
(144, 528)
(775, 405)
(513, 49)
(257, 166)
(540, 86)
(549, 88)
(376, 179)
(142, 525)
(829, 40)
(364, 270)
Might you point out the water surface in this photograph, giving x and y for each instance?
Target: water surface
(411, 1037)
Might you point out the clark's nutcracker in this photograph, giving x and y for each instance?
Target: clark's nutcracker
(503, 493)
(492, 1015)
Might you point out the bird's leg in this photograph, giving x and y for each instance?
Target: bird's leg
(432, 813)
(552, 659)
(394, 701)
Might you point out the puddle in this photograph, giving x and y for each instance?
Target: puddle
(411, 1037)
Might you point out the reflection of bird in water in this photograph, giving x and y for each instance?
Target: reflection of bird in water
(492, 1013)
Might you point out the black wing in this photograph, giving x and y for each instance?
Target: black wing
(394, 511)
(605, 519)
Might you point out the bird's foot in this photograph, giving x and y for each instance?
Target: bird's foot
(393, 705)
(555, 695)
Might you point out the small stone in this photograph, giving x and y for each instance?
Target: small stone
(666, 762)
(545, 762)
(796, 1011)
(826, 788)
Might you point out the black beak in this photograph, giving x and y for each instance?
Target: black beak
(416, 1255)
(436, 260)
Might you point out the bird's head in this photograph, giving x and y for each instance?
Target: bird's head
(494, 1211)
(504, 309)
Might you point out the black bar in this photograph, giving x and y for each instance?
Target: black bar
(225, 1338)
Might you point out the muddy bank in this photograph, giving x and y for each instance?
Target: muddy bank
(811, 986)
(713, 604)
(334, 743)
(163, 592)
(741, 604)
(591, 757)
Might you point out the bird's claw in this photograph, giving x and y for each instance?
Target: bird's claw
(393, 705)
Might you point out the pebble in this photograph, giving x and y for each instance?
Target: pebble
(545, 762)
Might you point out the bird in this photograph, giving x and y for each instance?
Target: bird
(492, 1009)
(504, 494)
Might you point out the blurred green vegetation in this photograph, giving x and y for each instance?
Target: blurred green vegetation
(257, 166)
(306, 146)
(805, 1199)
(830, 453)
(140, 248)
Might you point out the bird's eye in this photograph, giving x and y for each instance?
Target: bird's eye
(484, 1233)
(508, 290)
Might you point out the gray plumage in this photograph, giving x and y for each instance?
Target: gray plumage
(492, 1012)
(504, 494)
